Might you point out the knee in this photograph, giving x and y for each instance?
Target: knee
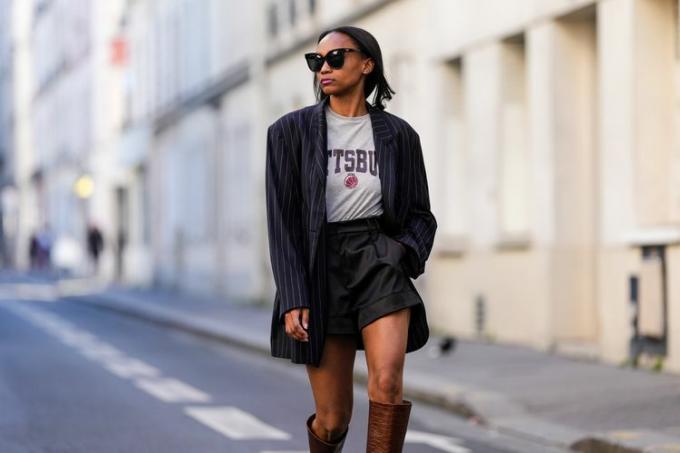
(334, 420)
(386, 385)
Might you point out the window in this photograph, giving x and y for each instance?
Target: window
(273, 20)
(292, 12)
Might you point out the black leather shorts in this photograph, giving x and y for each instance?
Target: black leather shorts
(366, 279)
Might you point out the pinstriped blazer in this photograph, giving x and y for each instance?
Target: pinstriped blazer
(295, 181)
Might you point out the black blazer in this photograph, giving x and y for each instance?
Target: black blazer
(295, 180)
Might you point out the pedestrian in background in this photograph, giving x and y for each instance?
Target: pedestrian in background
(349, 225)
(33, 250)
(44, 247)
(95, 244)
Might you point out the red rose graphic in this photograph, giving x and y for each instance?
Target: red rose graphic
(351, 181)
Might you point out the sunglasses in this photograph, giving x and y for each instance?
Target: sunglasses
(335, 58)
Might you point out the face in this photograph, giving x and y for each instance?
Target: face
(350, 76)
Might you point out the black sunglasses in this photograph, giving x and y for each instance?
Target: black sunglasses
(335, 58)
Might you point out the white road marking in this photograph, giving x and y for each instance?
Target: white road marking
(127, 367)
(76, 339)
(53, 324)
(101, 351)
(235, 423)
(114, 360)
(443, 443)
(172, 390)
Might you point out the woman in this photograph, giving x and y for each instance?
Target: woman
(349, 224)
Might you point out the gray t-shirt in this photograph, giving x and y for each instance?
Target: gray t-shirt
(352, 181)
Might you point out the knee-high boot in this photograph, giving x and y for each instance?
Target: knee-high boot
(318, 445)
(387, 425)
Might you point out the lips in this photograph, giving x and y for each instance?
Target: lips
(326, 81)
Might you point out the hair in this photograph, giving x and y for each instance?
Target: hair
(375, 80)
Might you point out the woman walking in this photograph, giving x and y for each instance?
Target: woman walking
(349, 223)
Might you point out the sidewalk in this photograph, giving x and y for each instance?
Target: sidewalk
(548, 398)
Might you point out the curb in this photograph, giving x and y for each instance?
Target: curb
(628, 442)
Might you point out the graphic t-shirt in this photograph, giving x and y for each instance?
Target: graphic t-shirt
(352, 180)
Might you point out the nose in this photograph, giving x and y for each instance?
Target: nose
(325, 68)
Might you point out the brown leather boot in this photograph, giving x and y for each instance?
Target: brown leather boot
(387, 424)
(318, 445)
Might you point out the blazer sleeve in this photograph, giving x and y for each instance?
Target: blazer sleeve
(420, 224)
(284, 222)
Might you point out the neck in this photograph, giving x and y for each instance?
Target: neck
(348, 106)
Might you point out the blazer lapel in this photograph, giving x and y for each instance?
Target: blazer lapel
(387, 160)
(320, 163)
(317, 186)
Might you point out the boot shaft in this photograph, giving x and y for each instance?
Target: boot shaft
(387, 425)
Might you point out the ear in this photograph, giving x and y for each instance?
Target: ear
(369, 64)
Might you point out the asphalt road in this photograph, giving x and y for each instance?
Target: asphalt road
(75, 378)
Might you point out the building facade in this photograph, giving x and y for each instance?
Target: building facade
(189, 145)
(60, 125)
(548, 129)
(6, 134)
(19, 213)
(567, 155)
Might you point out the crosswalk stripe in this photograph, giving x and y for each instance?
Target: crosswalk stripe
(127, 367)
(235, 423)
(100, 351)
(76, 338)
(172, 390)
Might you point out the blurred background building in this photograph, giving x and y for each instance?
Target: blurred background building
(548, 127)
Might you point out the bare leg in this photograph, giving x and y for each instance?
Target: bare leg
(332, 387)
(385, 342)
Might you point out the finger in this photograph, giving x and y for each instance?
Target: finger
(293, 327)
(298, 331)
(290, 323)
(305, 318)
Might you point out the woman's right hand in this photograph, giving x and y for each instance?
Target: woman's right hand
(297, 321)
